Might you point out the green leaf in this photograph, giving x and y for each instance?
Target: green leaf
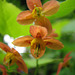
(8, 24)
(2, 54)
(65, 9)
(68, 36)
(69, 27)
(58, 26)
(31, 63)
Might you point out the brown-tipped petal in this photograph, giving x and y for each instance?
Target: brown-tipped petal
(21, 64)
(32, 3)
(16, 53)
(45, 23)
(50, 7)
(23, 41)
(66, 56)
(25, 18)
(38, 31)
(59, 68)
(53, 43)
(53, 34)
(5, 47)
(40, 53)
(3, 70)
(37, 48)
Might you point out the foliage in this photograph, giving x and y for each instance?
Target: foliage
(8, 24)
(32, 62)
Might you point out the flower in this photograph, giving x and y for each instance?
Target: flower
(64, 63)
(38, 12)
(38, 42)
(3, 70)
(12, 57)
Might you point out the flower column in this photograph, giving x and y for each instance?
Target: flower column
(42, 31)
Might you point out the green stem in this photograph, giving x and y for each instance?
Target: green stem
(36, 72)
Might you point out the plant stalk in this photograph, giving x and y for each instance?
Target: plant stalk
(36, 71)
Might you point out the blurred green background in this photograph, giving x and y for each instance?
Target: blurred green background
(64, 23)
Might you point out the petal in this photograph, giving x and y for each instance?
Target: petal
(38, 31)
(3, 70)
(53, 34)
(67, 56)
(67, 59)
(25, 18)
(9, 59)
(37, 48)
(39, 55)
(45, 23)
(16, 53)
(5, 47)
(32, 3)
(50, 7)
(53, 43)
(23, 41)
(21, 64)
(59, 68)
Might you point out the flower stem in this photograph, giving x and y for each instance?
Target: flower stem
(36, 71)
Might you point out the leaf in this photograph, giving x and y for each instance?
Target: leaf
(69, 27)
(13, 68)
(68, 36)
(2, 54)
(68, 32)
(31, 63)
(66, 8)
(58, 26)
(8, 24)
(68, 46)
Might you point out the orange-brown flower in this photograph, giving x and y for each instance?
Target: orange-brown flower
(12, 57)
(64, 63)
(38, 12)
(38, 42)
(3, 70)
